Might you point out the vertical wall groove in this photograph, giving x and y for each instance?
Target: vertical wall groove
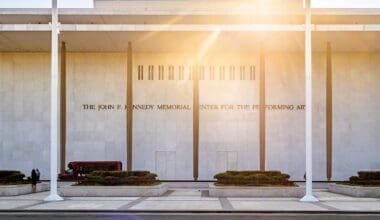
(195, 123)
(63, 108)
(262, 109)
(328, 112)
(129, 101)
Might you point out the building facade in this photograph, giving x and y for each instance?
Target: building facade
(215, 87)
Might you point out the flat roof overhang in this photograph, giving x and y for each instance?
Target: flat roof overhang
(178, 28)
(189, 41)
(162, 15)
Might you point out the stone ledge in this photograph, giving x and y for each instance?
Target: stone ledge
(113, 191)
(355, 191)
(15, 190)
(254, 191)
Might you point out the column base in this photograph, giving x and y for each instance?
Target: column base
(53, 197)
(309, 198)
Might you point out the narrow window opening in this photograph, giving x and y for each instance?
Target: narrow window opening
(232, 72)
(140, 72)
(171, 72)
(160, 72)
(181, 73)
(201, 73)
(242, 72)
(221, 73)
(151, 72)
(252, 75)
(212, 73)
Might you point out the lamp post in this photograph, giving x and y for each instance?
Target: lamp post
(54, 106)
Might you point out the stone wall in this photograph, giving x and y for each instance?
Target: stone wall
(163, 134)
(95, 78)
(356, 103)
(163, 137)
(25, 112)
(285, 137)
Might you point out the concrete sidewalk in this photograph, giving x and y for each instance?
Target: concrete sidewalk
(192, 200)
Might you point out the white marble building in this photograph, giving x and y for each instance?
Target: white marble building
(163, 138)
(229, 83)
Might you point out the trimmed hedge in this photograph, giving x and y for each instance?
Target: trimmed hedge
(11, 177)
(369, 175)
(119, 178)
(253, 178)
(365, 178)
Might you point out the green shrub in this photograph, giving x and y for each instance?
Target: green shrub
(253, 177)
(365, 178)
(354, 178)
(11, 177)
(369, 175)
(109, 178)
(16, 177)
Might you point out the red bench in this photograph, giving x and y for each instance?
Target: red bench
(78, 169)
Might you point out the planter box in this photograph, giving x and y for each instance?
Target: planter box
(113, 191)
(15, 190)
(256, 191)
(355, 191)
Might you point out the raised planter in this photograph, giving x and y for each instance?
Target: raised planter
(21, 189)
(355, 191)
(256, 191)
(113, 191)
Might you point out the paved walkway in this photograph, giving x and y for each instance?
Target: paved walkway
(190, 199)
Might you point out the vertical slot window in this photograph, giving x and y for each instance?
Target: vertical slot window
(221, 73)
(160, 72)
(140, 72)
(194, 72)
(201, 73)
(252, 73)
(232, 72)
(212, 73)
(151, 72)
(181, 72)
(242, 72)
(171, 72)
(191, 73)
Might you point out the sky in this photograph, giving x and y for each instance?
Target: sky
(45, 3)
(345, 3)
(89, 3)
